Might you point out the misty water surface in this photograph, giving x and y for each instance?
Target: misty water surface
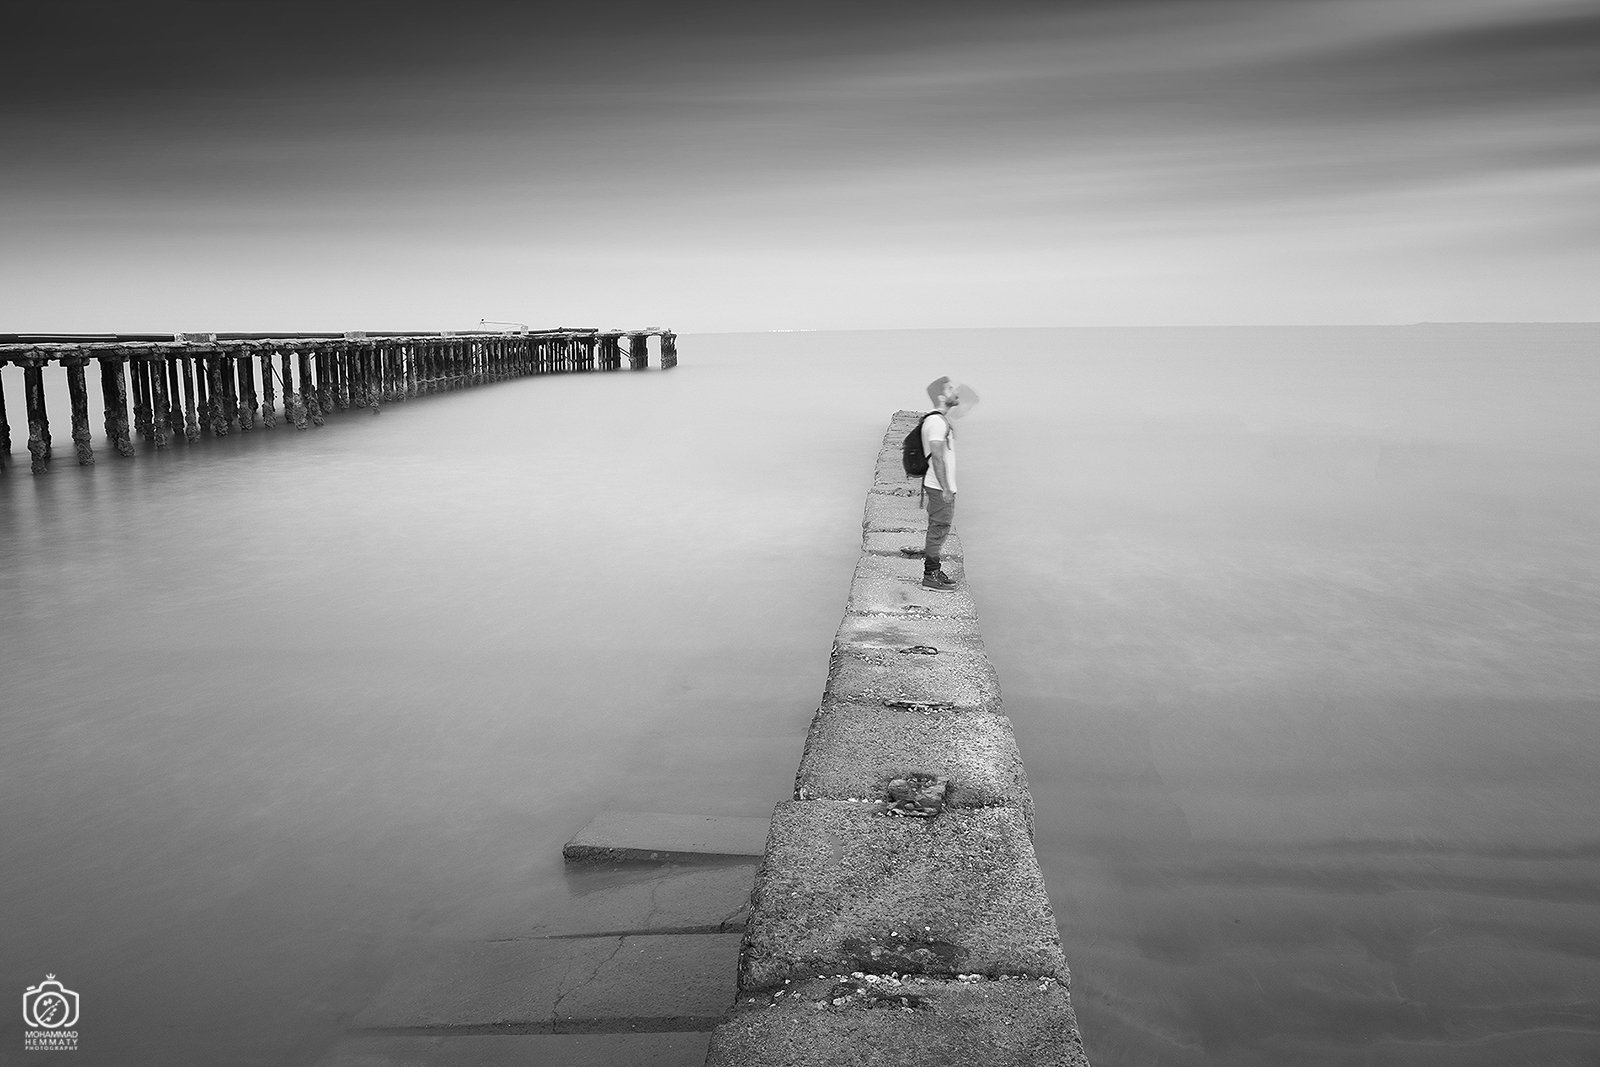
(1298, 628)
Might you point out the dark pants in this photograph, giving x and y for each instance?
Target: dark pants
(941, 514)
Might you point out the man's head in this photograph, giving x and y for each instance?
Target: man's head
(942, 392)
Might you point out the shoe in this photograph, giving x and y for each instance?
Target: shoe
(938, 580)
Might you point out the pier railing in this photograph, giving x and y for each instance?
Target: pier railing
(183, 386)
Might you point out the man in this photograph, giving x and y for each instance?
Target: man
(939, 484)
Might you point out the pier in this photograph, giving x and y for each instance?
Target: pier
(899, 914)
(170, 389)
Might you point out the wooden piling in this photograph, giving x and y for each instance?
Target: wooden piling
(191, 415)
(340, 378)
(79, 394)
(245, 367)
(638, 351)
(202, 388)
(217, 410)
(38, 420)
(5, 424)
(160, 405)
(294, 405)
(269, 412)
(322, 357)
(139, 379)
(230, 389)
(169, 367)
(669, 350)
(114, 395)
(308, 387)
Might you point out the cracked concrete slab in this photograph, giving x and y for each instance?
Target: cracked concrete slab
(900, 632)
(521, 1050)
(663, 836)
(853, 751)
(864, 675)
(824, 1023)
(654, 982)
(843, 889)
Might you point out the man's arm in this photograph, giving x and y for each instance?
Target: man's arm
(936, 461)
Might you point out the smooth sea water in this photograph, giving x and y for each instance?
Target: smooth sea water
(1299, 629)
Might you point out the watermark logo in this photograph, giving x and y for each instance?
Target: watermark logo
(51, 1011)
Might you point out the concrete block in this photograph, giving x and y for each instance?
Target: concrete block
(853, 751)
(902, 567)
(564, 985)
(902, 596)
(521, 1050)
(848, 1022)
(901, 543)
(896, 632)
(842, 890)
(864, 675)
(885, 511)
(635, 898)
(663, 836)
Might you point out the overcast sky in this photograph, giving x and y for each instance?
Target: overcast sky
(232, 166)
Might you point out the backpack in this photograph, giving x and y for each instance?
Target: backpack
(912, 457)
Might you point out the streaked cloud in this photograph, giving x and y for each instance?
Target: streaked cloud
(1174, 148)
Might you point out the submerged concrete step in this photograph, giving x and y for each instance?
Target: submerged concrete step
(646, 898)
(520, 1050)
(636, 982)
(651, 835)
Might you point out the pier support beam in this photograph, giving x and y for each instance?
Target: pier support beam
(78, 391)
(269, 413)
(294, 406)
(669, 350)
(5, 425)
(214, 389)
(38, 421)
(321, 358)
(638, 351)
(160, 405)
(191, 414)
(245, 372)
(308, 390)
(139, 379)
(114, 395)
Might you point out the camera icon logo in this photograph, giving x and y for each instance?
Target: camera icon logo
(50, 1005)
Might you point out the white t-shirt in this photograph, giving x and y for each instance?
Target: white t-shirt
(937, 428)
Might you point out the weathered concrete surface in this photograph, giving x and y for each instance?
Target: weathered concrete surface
(521, 1050)
(866, 675)
(847, 1021)
(854, 751)
(845, 889)
(694, 898)
(651, 835)
(870, 594)
(643, 982)
(909, 543)
(887, 512)
(900, 632)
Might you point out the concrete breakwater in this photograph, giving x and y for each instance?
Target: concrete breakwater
(899, 915)
(183, 387)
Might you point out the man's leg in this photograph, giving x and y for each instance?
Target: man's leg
(941, 515)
